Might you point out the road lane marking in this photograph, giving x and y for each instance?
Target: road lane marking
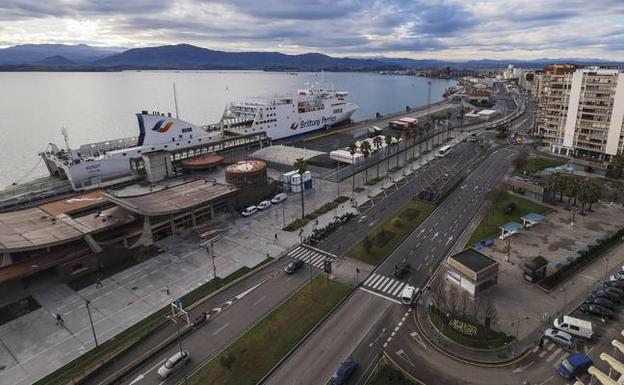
(419, 266)
(381, 283)
(142, 375)
(221, 328)
(369, 279)
(380, 295)
(258, 301)
(387, 286)
(398, 288)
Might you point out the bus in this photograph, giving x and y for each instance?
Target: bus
(443, 151)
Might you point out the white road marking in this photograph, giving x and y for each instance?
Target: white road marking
(258, 301)
(552, 356)
(369, 279)
(379, 295)
(387, 286)
(419, 266)
(398, 289)
(221, 328)
(142, 375)
(381, 283)
(419, 340)
(435, 235)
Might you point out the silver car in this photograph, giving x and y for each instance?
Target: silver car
(174, 363)
(559, 337)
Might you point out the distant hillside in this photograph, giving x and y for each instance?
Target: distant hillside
(34, 53)
(56, 60)
(185, 56)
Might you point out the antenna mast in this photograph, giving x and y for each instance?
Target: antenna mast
(175, 101)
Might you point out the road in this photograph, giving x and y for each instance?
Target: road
(251, 299)
(429, 243)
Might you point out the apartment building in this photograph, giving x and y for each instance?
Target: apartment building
(580, 111)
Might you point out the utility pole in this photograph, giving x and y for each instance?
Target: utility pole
(429, 99)
(606, 269)
(284, 214)
(214, 267)
(87, 303)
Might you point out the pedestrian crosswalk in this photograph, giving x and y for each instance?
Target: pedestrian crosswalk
(551, 352)
(310, 255)
(385, 285)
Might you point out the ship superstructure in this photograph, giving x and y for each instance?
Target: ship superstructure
(312, 108)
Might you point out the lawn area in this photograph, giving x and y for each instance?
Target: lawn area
(533, 165)
(250, 357)
(385, 237)
(496, 215)
(327, 207)
(137, 331)
(483, 340)
(385, 374)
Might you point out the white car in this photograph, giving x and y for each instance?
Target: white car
(279, 198)
(251, 210)
(174, 363)
(264, 205)
(559, 337)
(619, 276)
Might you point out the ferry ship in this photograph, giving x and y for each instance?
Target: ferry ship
(105, 163)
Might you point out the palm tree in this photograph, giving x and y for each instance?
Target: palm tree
(398, 146)
(365, 149)
(388, 140)
(617, 162)
(421, 131)
(570, 188)
(300, 166)
(377, 142)
(352, 150)
(427, 128)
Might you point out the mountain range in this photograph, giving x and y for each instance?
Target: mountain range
(186, 56)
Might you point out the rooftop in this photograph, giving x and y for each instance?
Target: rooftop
(73, 203)
(474, 260)
(173, 199)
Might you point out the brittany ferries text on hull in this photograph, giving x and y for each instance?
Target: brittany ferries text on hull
(105, 163)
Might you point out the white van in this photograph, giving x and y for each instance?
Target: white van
(409, 294)
(574, 326)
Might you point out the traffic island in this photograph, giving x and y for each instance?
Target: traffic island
(385, 372)
(260, 348)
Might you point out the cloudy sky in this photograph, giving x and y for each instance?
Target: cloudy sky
(453, 29)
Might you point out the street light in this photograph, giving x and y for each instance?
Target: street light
(87, 303)
(606, 269)
(516, 336)
(565, 297)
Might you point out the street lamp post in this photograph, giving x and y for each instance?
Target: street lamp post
(516, 336)
(214, 267)
(87, 303)
(606, 269)
(565, 297)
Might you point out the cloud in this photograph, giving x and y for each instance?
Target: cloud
(444, 29)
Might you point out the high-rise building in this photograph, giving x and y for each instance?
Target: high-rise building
(580, 111)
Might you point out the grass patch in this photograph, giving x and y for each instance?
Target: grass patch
(372, 182)
(533, 165)
(250, 357)
(327, 207)
(17, 309)
(385, 374)
(385, 237)
(136, 332)
(496, 216)
(484, 339)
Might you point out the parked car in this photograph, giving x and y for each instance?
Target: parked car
(574, 326)
(264, 205)
(615, 284)
(604, 294)
(401, 269)
(343, 372)
(600, 301)
(279, 198)
(614, 290)
(174, 363)
(617, 277)
(293, 266)
(574, 365)
(559, 337)
(598, 310)
(249, 211)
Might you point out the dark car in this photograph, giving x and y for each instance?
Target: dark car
(343, 372)
(600, 301)
(615, 284)
(293, 266)
(614, 290)
(401, 269)
(604, 294)
(598, 310)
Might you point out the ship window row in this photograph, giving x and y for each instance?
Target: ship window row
(188, 129)
(337, 110)
(267, 121)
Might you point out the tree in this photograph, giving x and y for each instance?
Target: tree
(583, 194)
(617, 163)
(438, 292)
(368, 245)
(464, 300)
(452, 299)
(365, 149)
(300, 166)
(594, 192)
(489, 313)
(398, 147)
(427, 128)
(388, 141)
(377, 142)
(352, 150)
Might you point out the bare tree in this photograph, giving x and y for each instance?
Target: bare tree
(489, 312)
(476, 307)
(464, 301)
(438, 292)
(452, 299)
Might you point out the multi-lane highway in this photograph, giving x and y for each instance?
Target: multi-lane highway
(429, 243)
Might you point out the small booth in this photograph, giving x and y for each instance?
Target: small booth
(531, 219)
(509, 229)
(535, 269)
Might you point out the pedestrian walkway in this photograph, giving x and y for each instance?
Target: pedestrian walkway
(386, 286)
(311, 255)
